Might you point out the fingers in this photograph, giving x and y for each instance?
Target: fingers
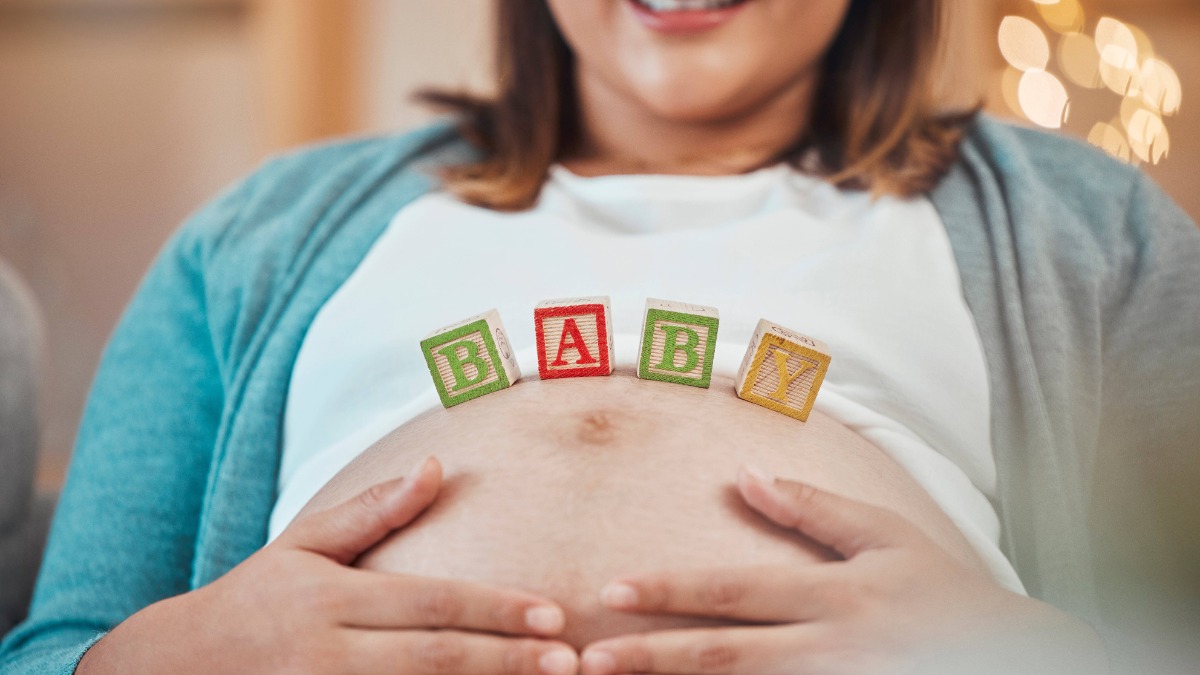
(380, 600)
(345, 531)
(758, 594)
(696, 651)
(451, 652)
(844, 525)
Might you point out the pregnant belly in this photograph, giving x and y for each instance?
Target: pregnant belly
(559, 486)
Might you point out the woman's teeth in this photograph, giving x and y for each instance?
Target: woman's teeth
(685, 5)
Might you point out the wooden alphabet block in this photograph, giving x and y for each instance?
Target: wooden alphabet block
(678, 343)
(470, 358)
(783, 370)
(574, 337)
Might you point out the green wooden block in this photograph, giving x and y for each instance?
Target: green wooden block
(679, 342)
(470, 359)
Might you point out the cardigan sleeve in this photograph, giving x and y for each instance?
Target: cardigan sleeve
(124, 533)
(173, 472)
(1148, 459)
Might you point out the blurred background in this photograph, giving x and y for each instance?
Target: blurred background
(119, 117)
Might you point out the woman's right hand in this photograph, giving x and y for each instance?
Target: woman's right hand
(297, 606)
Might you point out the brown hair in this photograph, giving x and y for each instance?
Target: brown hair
(876, 126)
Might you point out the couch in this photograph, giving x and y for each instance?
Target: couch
(24, 515)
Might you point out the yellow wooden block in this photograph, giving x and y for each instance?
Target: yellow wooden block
(782, 370)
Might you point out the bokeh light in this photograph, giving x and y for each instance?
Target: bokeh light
(1063, 16)
(1080, 60)
(1145, 47)
(1161, 88)
(1010, 84)
(1023, 44)
(1115, 56)
(1148, 136)
(1111, 140)
(1119, 68)
(1044, 99)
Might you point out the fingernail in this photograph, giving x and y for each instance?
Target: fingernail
(619, 595)
(599, 663)
(409, 478)
(558, 662)
(547, 620)
(759, 474)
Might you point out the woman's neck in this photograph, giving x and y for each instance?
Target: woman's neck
(619, 136)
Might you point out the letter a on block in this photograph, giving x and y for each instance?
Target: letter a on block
(470, 358)
(783, 370)
(678, 343)
(574, 337)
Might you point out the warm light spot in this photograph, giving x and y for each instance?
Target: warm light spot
(1023, 44)
(1119, 71)
(1043, 99)
(1161, 148)
(1145, 47)
(1161, 88)
(1046, 2)
(1148, 137)
(1010, 84)
(1144, 126)
(1119, 57)
(1111, 140)
(1079, 60)
(1064, 16)
(1129, 106)
(1119, 67)
(1113, 33)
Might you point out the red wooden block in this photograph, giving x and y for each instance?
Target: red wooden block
(574, 337)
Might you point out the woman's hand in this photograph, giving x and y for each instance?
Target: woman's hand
(297, 607)
(896, 603)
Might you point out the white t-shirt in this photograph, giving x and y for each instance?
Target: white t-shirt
(874, 279)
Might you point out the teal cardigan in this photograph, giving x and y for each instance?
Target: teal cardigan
(1082, 277)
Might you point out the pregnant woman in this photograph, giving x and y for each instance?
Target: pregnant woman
(1000, 304)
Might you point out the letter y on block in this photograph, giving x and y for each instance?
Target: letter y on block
(783, 370)
(678, 343)
(574, 337)
(470, 358)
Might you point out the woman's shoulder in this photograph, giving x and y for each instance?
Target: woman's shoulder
(1021, 154)
(290, 193)
(344, 164)
(301, 168)
(1065, 186)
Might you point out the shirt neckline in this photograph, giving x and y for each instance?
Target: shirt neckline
(640, 186)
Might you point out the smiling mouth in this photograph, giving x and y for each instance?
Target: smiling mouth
(660, 6)
(685, 17)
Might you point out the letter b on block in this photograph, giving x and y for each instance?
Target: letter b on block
(470, 358)
(574, 337)
(678, 343)
(783, 370)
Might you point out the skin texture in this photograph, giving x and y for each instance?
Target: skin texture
(816, 582)
(297, 607)
(688, 561)
(724, 101)
(895, 604)
(630, 475)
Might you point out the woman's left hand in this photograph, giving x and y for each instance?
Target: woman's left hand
(897, 602)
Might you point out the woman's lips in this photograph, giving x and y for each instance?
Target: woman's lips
(684, 21)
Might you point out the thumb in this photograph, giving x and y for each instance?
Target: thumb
(840, 523)
(345, 531)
